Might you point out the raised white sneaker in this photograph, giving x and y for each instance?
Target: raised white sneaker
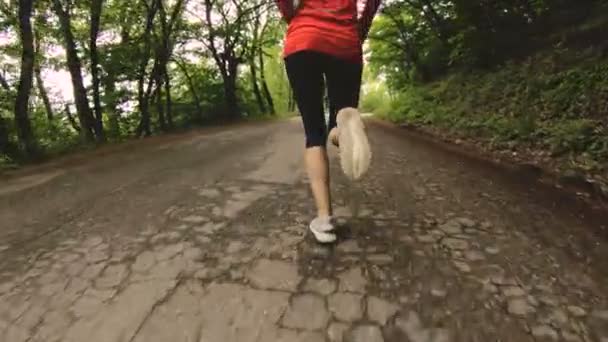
(321, 228)
(355, 152)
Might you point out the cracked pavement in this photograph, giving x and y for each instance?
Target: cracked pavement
(203, 238)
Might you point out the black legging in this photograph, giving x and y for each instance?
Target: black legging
(307, 71)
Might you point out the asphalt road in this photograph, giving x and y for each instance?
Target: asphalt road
(203, 237)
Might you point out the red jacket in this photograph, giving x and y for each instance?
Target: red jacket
(335, 27)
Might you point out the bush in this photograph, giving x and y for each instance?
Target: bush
(517, 104)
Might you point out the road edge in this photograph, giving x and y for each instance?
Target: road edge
(72, 158)
(578, 188)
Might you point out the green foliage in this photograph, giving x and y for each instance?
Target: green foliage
(277, 78)
(524, 73)
(54, 137)
(141, 44)
(563, 112)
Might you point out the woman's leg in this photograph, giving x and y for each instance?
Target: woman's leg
(343, 87)
(305, 73)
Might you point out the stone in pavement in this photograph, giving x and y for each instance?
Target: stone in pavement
(462, 266)
(234, 247)
(577, 311)
(350, 246)
(427, 238)
(342, 212)
(519, 307)
(558, 317)
(121, 320)
(492, 250)
(176, 320)
(501, 280)
(273, 274)
(600, 314)
(513, 291)
(85, 306)
(456, 244)
(169, 251)
(352, 280)
(337, 331)
(466, 222)
(571, 337)
(411, 325)
(195, 219)
(144, 262)
(380, 310)
(96, 256)
(451, 227)
(52, 288)
(366, 333)
(346, 306)
(321, 286)
(380, 259)
(209, 192)
(235, 313)
(5, 287)
(32, 316)
(112, 276)
(288, 335)
(206, 229)
(439, 335)
(206, 273)
(544, 332)
(15, 333)
(233, 207)
(474, 255)
(168, 236)
(306, 311)
(91, 242)
(55, 324)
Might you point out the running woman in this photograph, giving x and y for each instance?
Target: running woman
(323, 48)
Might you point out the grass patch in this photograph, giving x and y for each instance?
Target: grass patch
(534, 103)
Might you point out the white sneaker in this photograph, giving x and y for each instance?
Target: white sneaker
(355, 152)
(321, 228)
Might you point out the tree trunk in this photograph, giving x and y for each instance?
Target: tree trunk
(168, 100)
(6, 146)
(38, 72)
(96, 7)
(160, 108)
(160, 64)
(230, 89)
(24, 129)
(254, 83)
(43, 94)
(435, 20)
(265, 89)
(166, 51)
(111, 106)
(226, 61)
(144, 124)
(252, 50)
(71, 119)
(193, 91)
(231, 100)
(85, 116)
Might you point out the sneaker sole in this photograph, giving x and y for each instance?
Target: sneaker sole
(355, 151)
(323, 237)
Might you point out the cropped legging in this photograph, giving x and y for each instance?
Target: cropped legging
(308, 73)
